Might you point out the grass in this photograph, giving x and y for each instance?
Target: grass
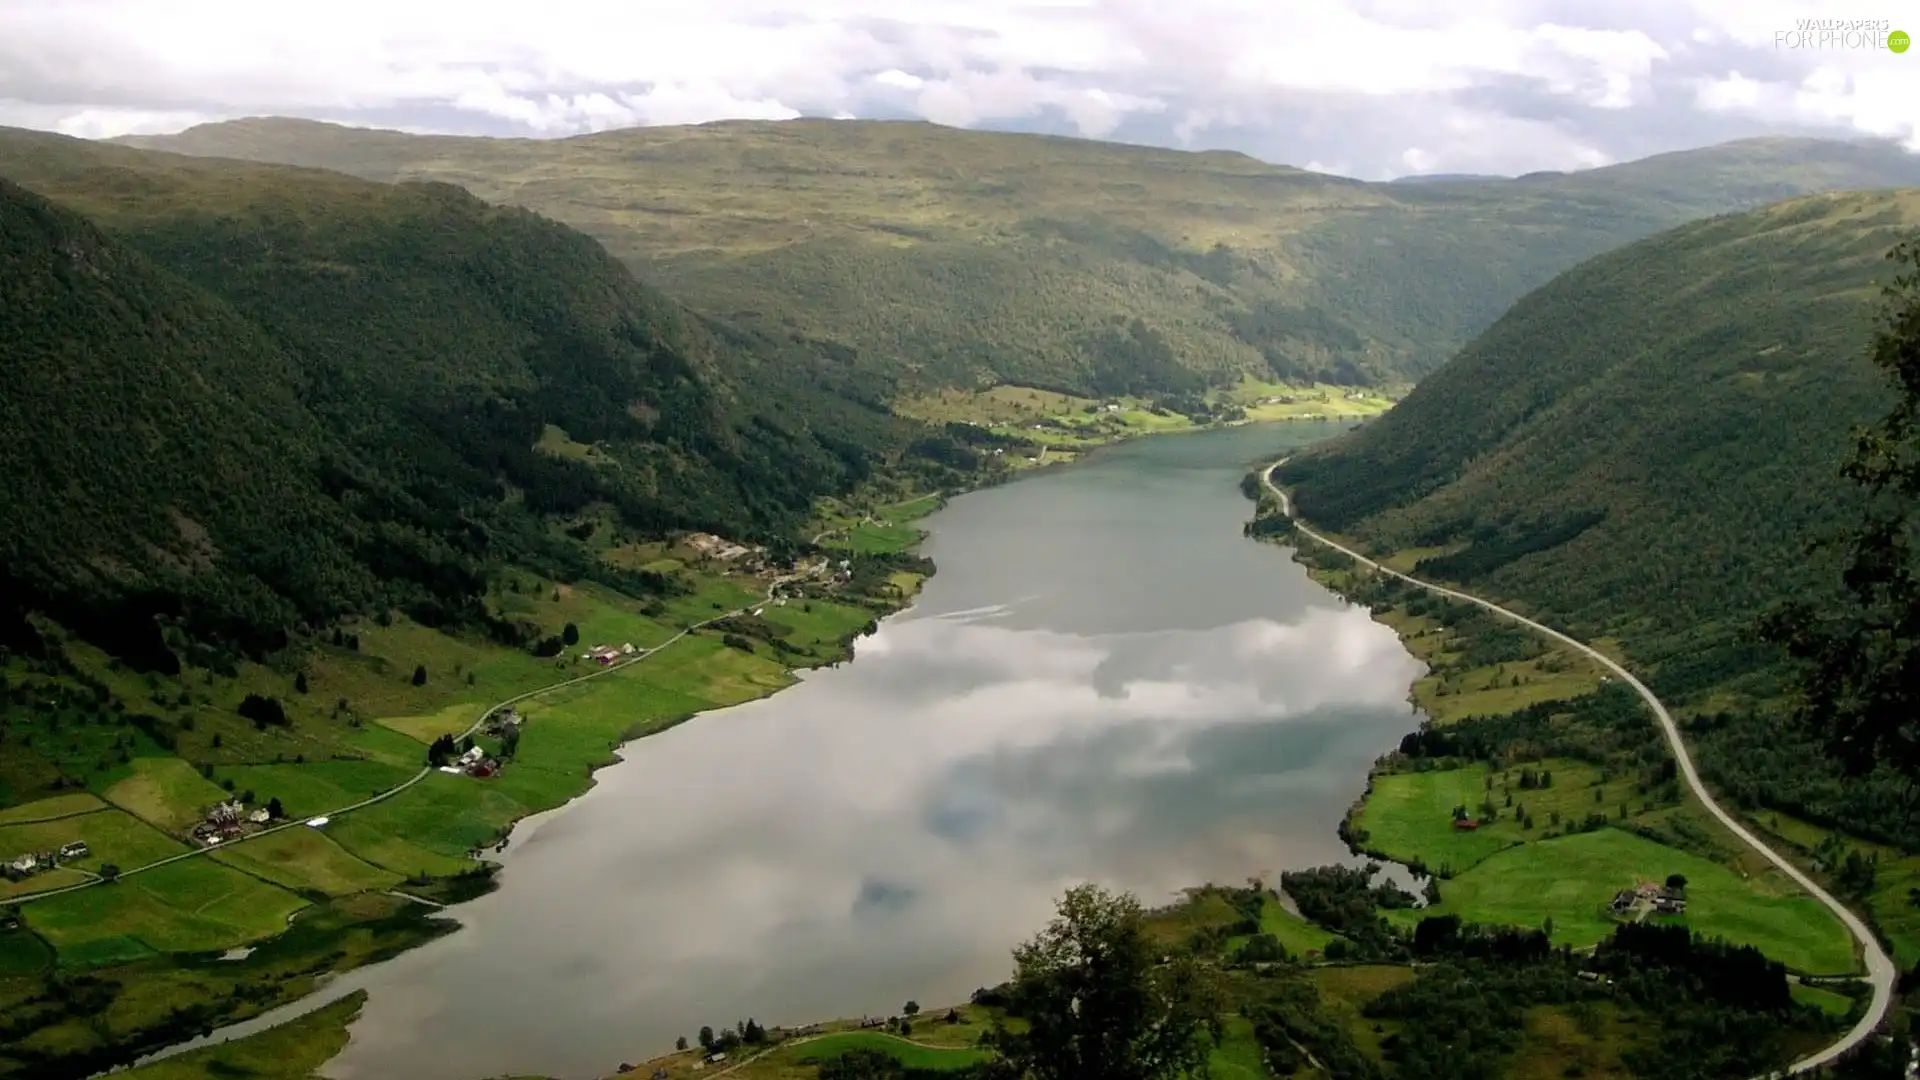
(1827, 1001)
(423, 728)
(306, 859)
(871, 538)
(46, 881)
(448, 815)
(114, 836)
(1408, 816)
(1570, 879)
(1896, 877)
(22, 953)
(51, 808)
(165, 791)
(1238, 1057)
(821, 625)
(192, 906)
(1298, 935)
(132, 1004)
(1559, 1044)
(294, 1050)
(1451, 690)
(317, 787)
(911, 1054)
(1345, 991)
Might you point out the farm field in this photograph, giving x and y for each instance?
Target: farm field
(1570, 879)
(165, 792)
(192, 906)
(1408, 816)
(114, 836)
(302, 859)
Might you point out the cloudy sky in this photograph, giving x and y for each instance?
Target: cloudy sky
(1370, 88)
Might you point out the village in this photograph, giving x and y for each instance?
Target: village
(754, 559)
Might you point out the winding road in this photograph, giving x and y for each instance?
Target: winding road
(1880, 969)
(301, 823)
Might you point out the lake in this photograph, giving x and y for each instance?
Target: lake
(1105, 681)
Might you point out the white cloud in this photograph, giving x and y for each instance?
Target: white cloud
(1507, 84)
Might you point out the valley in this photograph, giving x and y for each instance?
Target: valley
(383, 505)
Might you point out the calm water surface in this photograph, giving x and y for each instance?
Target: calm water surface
(1104, 681)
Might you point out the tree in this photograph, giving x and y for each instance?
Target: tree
(911, 1008)
(300, 682)
(263, 711)
(109, 872)
(680, 1043)
(419, 674)
(441, 750)
(1676, 882)
(570, 634)
(1097, 1004)
(509, 740)
(1860, 660)
(274, 810)
(706, 1037)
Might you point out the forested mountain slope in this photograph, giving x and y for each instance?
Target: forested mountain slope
(1638, 450)
(153, 444)
(932, 256)
(259, 397)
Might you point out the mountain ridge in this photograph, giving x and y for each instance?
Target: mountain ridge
(952, 257)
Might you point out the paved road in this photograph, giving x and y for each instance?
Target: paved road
(15, 901)
(1880, 970)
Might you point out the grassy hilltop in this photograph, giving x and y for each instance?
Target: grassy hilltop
(928, 257)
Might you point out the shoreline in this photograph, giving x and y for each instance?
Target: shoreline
(335, 984)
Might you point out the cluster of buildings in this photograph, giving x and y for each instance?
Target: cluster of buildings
(229, 820)
(608, 654)
(474, 763)
(500, 722)
(720, 548)
(1648, 897)
(39, 862)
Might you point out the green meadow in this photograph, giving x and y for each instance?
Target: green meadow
(1570, 879)
(912, 1054)
(192, 906)
(1408, 816)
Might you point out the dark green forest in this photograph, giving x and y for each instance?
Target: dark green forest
(1641, 451)
(249, 400)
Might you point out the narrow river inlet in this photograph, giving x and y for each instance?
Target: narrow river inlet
(1105, 681)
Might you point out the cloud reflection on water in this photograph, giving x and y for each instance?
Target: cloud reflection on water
(889, 827)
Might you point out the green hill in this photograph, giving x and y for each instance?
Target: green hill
(367, 393)
(1637, 451)
(933, 256)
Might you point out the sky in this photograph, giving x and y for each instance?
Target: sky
(1368, 88)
